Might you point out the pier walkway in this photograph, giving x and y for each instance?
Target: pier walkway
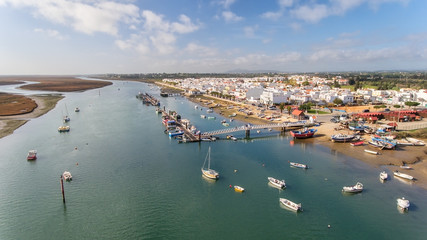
(249, 127)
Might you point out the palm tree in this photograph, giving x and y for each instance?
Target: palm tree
(281, 107)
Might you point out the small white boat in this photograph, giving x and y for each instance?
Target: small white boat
(298, 165)
(277, 183)
(196, 107)
(415, 141)
(383, 175)
(239, 189)
(291, 205)
(202, 116)
(226, 124)
(76, 109)
(406, 167)
(403, 175)
(371, 152)
(403, 203)
(353, 189)
(209, 110)
(233, 138)
(67, 176)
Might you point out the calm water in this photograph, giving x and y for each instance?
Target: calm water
(133, 182)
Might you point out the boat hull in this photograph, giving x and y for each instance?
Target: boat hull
(277, 183)
(290, 205)
(211, 174)
(305, 134)
(239, 189)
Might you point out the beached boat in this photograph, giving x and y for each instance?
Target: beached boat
(353, 189)
(277, 183)
(382, 145)
(371, 152)
(67, 176)
(383, 176)
(208, 172)
(415, 141)
(64, 129)
(210, 110)
(404, 142)
(406, 167)
(238, 188)
(307, 133)
(403, 175)
(342, 137)
(32, 155)
(76, 109)
(298, 165)
(359, 143)
(357, 128)
(232, 115)
(403, 203)
(291, 205)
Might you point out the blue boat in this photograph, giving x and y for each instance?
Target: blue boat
(176, 133)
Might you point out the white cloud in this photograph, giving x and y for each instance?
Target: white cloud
(196, 49)
(158, 36)
(50, 33)
(312, 13)
(250, 31)
(231, 17)
(272, 15)
(283, 4)
(227, 3)
(84, 16)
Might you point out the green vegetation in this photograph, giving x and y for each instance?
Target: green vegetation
(313, 111)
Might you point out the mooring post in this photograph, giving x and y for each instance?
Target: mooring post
(62, 189)
(248, 133)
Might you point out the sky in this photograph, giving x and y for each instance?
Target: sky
(70, 37)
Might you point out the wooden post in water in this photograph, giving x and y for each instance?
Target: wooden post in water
(248, 133)
(62, 189)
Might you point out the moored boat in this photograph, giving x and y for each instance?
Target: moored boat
(32, 155)
(403, 203)
(298, 165)
(371, 152)
(64, 129)
(277, 183)
(291, 205)
(342, 137)
(415, 141)
(176, 133)
(225, 124)
(208, 172)
(238, 188)
(353, 189)
(307, 133)
(383, 176)
(403, 175)
(76, 109)
(67, 176)
(359, 143)
(202, 116)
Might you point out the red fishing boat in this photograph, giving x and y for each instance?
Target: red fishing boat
(304, 134)
(359, 143)
(32, 155)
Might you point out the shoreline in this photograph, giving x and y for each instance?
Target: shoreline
(413, 156)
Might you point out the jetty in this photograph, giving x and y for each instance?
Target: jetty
(148, 99)
(172, 115)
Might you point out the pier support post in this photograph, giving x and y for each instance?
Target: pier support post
(62, 189)
(248, 133)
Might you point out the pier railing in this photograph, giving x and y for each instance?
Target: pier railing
(255, 127)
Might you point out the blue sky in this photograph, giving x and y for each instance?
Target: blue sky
(145, 36)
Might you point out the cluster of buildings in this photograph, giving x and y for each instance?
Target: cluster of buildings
(295, 89)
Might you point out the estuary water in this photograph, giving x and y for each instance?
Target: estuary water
(130, 181)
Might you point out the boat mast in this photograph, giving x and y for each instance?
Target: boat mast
(209, 158)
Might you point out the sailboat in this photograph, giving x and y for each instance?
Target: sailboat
(66, 117)
(208, 172)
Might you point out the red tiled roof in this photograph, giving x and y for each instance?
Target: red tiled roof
(297, 112)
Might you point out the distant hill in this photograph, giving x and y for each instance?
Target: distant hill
(252, 71)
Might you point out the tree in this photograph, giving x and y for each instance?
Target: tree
(336, 84)
(305, 83)
(351, 81)
(289, 110)
(281, 107)
(412, 104)
(338, 101)
(397, 106)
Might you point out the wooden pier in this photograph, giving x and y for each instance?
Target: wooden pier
(148, 99)
(187, 133)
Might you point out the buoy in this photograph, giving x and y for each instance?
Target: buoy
(77, 164)
(329, 226)
(230, 186)
(263, 165)
(75, 148)
(235, 170)
(326, 179)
